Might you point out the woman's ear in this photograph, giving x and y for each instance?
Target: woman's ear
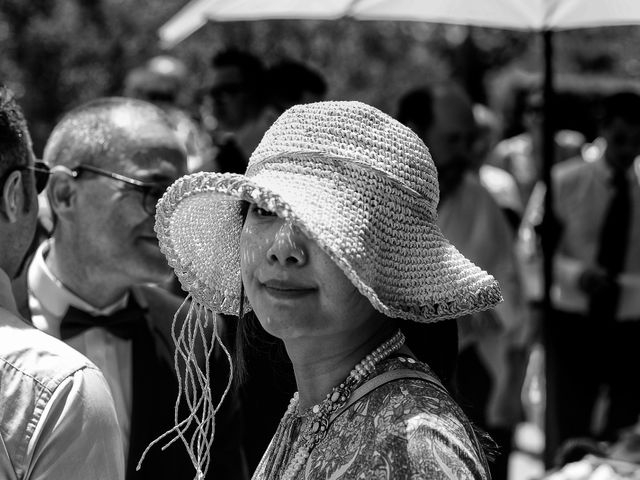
(12, 197)
(61, 194)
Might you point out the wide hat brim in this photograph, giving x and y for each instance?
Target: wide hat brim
(388, 246)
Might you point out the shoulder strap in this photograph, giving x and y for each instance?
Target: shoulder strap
(7, 470)
(383, 379)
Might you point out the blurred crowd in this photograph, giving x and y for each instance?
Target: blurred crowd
(94, 254)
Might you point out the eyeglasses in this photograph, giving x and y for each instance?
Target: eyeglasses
(40, 172)
(151, 192)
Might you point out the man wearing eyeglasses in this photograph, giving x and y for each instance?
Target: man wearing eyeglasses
(57, 417)
(111, 160)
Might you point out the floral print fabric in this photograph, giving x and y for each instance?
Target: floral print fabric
(405, 429)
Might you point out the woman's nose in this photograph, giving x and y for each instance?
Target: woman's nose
(288, 247)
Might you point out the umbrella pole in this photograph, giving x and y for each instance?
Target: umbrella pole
(548, 154)
(548, 240)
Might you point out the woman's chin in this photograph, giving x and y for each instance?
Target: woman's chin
(285, 327)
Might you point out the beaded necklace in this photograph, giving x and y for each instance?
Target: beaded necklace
(316, 428)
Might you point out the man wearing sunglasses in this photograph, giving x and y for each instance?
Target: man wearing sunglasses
(55, 405)
(91, 284)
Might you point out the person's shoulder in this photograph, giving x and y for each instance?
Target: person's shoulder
(163, 304)
(50, 391)
(477, 198)
(416, 397)
(413, 420)
(516, 145)
(164, 307)
(497, 176)
(573, 171)
(502, 185)
(37, 356)
(571, 167)
(159, 297)
(472, 186)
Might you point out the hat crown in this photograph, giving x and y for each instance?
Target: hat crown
(353, 132)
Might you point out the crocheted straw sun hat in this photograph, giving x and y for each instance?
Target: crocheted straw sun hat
(353, 179)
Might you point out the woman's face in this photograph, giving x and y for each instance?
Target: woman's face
(295, 289)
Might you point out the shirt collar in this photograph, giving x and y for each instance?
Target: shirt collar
(7, 300)
(54, 296)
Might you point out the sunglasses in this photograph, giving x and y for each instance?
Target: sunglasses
(151, 192)
(40, 172)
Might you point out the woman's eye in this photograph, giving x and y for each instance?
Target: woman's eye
(261, 212)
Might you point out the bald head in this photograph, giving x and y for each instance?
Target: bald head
(108, 132)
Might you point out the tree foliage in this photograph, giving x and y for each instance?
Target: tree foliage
(58, 53)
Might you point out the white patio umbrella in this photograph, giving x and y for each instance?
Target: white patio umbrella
(534, 15)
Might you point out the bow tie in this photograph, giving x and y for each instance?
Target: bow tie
(121, 323)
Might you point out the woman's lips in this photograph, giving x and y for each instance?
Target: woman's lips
(286, 290)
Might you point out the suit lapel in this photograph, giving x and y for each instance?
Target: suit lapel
(154, 390)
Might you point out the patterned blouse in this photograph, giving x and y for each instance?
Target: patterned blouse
(408, 428)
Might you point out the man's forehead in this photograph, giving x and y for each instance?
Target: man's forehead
(144, 135)
(154, 159)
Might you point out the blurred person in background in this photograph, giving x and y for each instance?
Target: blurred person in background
(522, 155)
(290, 83)
(492, 345)
(235, 100)
(57, 415)
(498, 182)
(595, 329)
(92, 283)
(161, 81)
(242, 98)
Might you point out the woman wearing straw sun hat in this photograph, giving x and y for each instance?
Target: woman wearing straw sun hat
(330, 238)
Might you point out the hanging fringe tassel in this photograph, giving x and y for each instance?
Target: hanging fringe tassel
(194, 386)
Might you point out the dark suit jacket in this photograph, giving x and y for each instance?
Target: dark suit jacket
(154, 400)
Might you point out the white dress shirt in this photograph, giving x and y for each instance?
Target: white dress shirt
(49, 301)
(471, 220)
(581, 196)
